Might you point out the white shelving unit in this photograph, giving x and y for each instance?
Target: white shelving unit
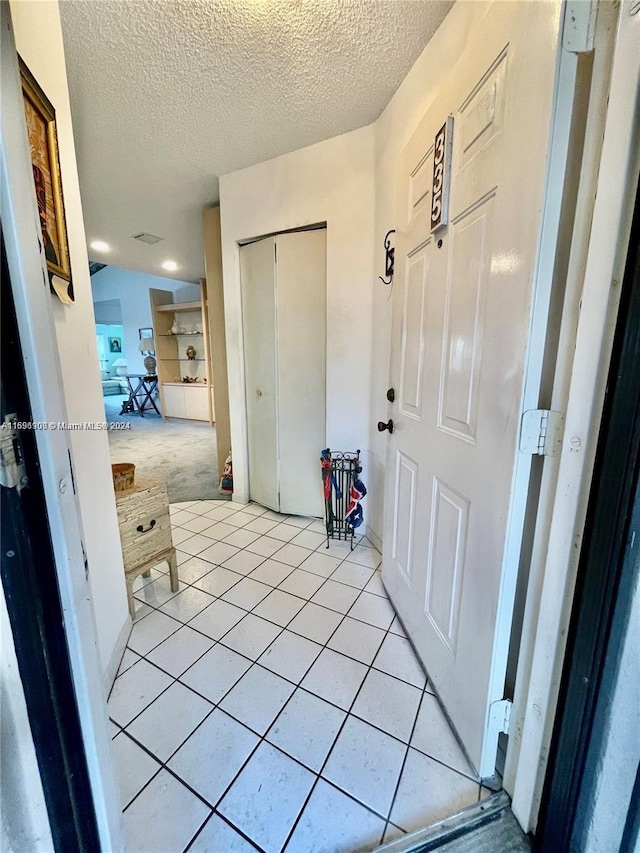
(184, 383)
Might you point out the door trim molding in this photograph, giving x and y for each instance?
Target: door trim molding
(598, 255)
(547, 249)
(604, 591)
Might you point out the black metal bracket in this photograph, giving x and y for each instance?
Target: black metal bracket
(389, 259)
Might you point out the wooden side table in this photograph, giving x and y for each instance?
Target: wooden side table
(145, 532)
(141, 393)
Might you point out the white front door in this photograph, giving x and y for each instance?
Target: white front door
(462, 307)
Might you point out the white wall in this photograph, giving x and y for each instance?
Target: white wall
(349, 181)
(39, 41)
(330, 182)
(132, 289)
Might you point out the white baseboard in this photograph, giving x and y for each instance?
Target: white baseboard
(116, 655)
(374, 539)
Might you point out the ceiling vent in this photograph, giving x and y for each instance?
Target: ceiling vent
(147, 238)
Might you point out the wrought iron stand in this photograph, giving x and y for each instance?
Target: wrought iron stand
(343, 471)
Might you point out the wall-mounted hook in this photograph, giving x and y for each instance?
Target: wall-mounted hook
(389, 259)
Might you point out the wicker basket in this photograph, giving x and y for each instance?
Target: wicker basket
(123, 474)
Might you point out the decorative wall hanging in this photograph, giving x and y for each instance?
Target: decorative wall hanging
(43, 142)
(442, 148)
(389, 258)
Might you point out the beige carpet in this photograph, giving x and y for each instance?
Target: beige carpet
(181, 452)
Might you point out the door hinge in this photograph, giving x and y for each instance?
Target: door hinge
(500, 716)
(579, 30)
(541, 432)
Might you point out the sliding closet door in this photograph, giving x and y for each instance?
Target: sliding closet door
(257, 270)
(302, 334)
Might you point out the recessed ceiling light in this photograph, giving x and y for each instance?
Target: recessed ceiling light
(100, 246)
(171, 266)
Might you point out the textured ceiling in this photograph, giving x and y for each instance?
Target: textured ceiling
(168, 94)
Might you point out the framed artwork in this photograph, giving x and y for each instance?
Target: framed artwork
(115, 345)
(43, 143)
(145, 333)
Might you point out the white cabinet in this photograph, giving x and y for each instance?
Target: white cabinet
(182, 400)
(285, 333)
(196, 402)
(174, 403)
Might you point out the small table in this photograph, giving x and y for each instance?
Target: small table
(145, 532)
(146, 385)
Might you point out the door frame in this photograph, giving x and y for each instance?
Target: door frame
(607, 577)
(34, 613)
(597, 258)
(30, 287)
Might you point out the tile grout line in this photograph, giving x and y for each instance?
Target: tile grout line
(282, 629)
(404, 762)
(262, 737)
(235, 828)
(297, 685)
(324, 763)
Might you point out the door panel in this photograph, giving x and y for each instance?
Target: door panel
(462, 304)
(302, 336)
(257, 272)
(415, 306)
(448, 533)
(404, 514)
(469, 265)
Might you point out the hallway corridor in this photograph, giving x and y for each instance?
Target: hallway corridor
(274, 703)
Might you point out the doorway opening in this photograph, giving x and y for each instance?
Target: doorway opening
(153, 344)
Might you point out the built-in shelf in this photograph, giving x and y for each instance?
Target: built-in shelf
(188, 384)
(174, 365)
(179, 306)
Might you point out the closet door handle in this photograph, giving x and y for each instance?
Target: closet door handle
(382, 426)
(258, 392)
(141, 528)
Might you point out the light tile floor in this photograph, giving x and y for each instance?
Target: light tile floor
(274, 702)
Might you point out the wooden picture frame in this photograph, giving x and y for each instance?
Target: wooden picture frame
(43, 143)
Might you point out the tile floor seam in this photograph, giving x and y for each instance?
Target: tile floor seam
(322, 767)
(297, 685)
(151, 755)
(230, 824)
(155, 698)
(325, 645)
(319, 549)
(263, 737)
(404, 761)
(164, 766)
